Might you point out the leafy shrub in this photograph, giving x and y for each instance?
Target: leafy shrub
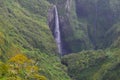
(19, 67)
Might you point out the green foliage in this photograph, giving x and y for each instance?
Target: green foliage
(38, 7)
(50, 65)
(94, 65)
(112, 35)
(24, 29)
(19, 67)
(3, 69)
(20, 21)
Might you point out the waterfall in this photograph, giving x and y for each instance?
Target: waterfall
(57, 33)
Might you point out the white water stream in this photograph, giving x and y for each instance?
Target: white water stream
(57, 31)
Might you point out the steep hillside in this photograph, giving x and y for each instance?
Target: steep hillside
(24, 29)
(94, 65)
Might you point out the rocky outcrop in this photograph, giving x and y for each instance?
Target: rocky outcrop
(74, 33)
(51, 19)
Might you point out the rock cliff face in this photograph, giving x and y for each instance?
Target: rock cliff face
(51, 19)
(85, 24)
(101, 18)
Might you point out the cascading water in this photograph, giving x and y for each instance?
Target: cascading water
(57, 33)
